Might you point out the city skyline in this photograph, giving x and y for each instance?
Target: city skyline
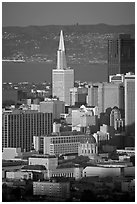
(67, 13)
(68, 102)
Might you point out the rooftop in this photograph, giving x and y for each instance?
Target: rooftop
(42, 156)
(34, 167)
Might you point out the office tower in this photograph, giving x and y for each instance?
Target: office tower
(130, 103)
(110, 95)
(92, 98)
(19, 127)
(78, 96)
(116, 120)
(53, 106)
(121, 55)
(62, 76)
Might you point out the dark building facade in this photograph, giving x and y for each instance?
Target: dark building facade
(13, 96)
(121, 55)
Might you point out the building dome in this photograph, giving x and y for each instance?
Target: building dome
(88, 139)
(115, 108)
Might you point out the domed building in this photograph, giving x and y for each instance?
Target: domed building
(88, 145)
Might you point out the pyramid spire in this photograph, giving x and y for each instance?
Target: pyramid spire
(61, 57)
(61, 42)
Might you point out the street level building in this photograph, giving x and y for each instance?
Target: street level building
(62, 76)
(52, 189)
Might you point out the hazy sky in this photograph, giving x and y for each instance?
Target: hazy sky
(46, 13)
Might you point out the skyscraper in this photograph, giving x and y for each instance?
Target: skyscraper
(62, 76)
(92, 99)
(130, 103)
(121, 55)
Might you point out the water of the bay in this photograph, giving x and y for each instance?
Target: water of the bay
(40, 72)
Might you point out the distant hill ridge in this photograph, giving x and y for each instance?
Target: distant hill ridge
(83, 42)
(101, 28)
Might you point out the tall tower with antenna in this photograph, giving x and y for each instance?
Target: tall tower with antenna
(62, 76)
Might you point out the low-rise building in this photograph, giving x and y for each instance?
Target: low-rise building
(69, 172)
(11, 153)
(101, 171)
(59, 144)
(13, 175)
(39, 171)
(52, 189)
(49, 161)
(128, 186)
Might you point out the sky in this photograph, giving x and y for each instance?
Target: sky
(67, 13)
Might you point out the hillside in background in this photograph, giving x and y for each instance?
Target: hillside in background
(84, 43)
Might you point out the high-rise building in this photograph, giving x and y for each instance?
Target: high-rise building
(110, 95)
(78, 96)
(121, 55)
(115, 120)
(62, 76)
(92, 98)
(19, 127)
(130, 103)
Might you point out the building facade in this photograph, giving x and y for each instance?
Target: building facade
(53, 106)
(121, 55)
(115, 120)
(88, 147)
(68, 172)
(50, 162)
(52, 189)
(110, 95)
(19, 127)
(84, 116)
(57, 145)
(78, 96)
(62, 77)
(130, 103)
(92, 98)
